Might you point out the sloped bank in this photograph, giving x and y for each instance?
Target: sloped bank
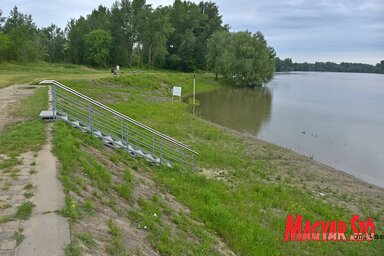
(251, 188)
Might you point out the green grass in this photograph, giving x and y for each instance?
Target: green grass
(28, 186)
(115, 246)
(8, 163)
(72, 250)
(18, 236)
(187, 239)
(249, 212)
(25, 135)
(35, 72)
(24, 211)
(125, 188)
(87, 240)
(21, 137)
(30, 107)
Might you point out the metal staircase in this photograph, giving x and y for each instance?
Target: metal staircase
(117, 130)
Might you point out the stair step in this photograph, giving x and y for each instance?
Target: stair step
(139, 152)
(108, 138)
(149, 156)
(97, 134)
(76, 123)
(158, 160)
(64, 118)
(130, 148)
(119, 143)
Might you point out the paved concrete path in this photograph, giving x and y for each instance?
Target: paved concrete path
(47, 232)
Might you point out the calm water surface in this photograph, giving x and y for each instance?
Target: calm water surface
(336, 118)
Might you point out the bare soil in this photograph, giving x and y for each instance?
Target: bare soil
(133, 235)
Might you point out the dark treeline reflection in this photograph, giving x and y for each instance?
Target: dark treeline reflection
(239, 108)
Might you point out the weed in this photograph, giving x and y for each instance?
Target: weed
(10, 162)
(32, 171)
(5, 206)
(115, 246)
(18, 236)
(72, 250)
(6, 186)
(87, 240)
(4, 219)
(28, 186)
(24, 211)
(70, 209)
(28, 194)
(33, 163)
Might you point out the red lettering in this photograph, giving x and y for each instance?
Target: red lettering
(332, 231)
(293, 228)
(324, 229)
(316, 235)
(354, 219)
(341, 228)
(307, 231)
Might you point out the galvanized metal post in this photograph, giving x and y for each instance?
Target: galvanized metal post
(161, 150)
(53, 88)
(127, 137)
(122, 130)
(193, 162)
(153, 144)
(90, 125)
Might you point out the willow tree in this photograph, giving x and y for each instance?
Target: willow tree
(243, 58)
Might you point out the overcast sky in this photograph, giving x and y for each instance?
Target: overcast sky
(304, 30)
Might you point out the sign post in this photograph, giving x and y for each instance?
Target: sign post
(194, 93)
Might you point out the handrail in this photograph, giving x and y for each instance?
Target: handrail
(149, 129)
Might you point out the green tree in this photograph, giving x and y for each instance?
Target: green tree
(53, 40)
(22, 31)
(215, 48)
(5, 43)
(98, 43)
(193, 25)
(246, 59)
(76, 29)
(127, 21)
(2, 19)
(154, 36)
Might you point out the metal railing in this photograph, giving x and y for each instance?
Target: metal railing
(117, 129)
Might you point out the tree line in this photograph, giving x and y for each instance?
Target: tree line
(287, 65)
(184, 36)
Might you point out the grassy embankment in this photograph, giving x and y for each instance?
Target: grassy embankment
(246, 207)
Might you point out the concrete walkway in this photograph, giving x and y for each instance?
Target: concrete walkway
(46, 232)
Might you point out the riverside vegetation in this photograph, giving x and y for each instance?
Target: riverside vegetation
(237, 200)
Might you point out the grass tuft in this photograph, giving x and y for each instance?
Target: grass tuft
(24, 211)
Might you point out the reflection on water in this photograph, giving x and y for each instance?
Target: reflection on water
(336, 118)
(239, 108)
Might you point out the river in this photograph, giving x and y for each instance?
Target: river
(334, 118)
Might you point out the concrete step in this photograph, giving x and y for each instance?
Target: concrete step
(76, 124)
(97, 134)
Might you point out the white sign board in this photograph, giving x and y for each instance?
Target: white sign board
(176, 91)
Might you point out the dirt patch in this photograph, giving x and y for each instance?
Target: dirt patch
(9, 96)
(216, 174)
(109, 205)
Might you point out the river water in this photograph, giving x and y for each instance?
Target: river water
(335, 118)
